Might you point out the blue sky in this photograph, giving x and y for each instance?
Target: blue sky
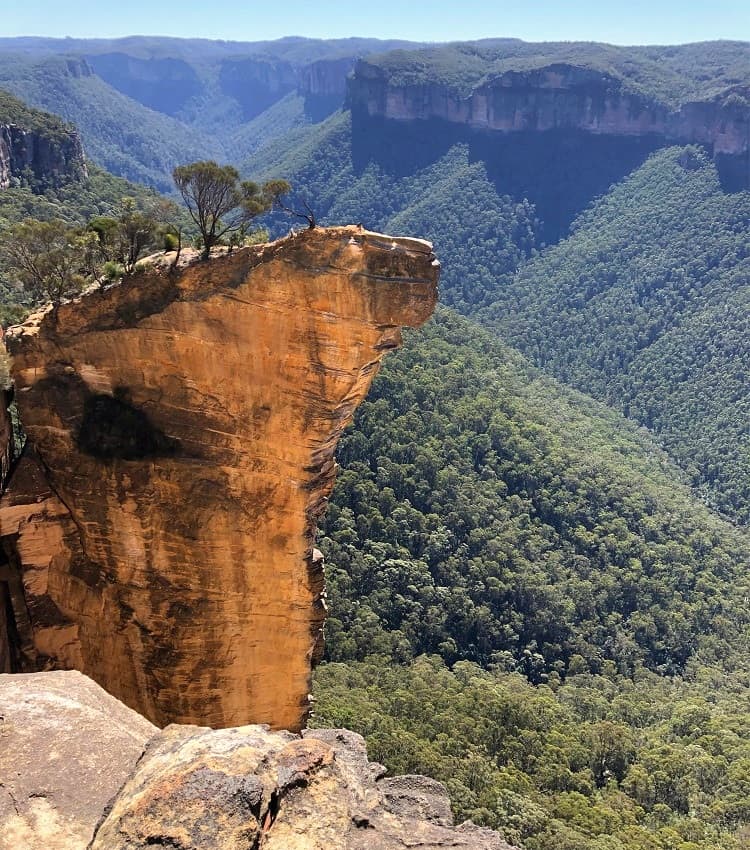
(616, 21)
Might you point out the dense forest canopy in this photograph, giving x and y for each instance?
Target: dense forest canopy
(526, 603)
(15, 111)
(485, 513)
(643, 306)
(599, 762)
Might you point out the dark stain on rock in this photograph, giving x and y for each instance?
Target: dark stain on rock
(112, 428)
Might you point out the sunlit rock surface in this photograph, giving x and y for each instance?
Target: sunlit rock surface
(80, 770)
(66, 748)
(181, 429)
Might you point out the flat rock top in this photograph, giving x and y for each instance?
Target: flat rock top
(66, 747)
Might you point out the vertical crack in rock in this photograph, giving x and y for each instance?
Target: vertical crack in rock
(186, 424)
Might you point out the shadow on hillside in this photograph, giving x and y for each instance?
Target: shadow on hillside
(559, 171)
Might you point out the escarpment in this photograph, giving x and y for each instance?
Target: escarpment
(181, 431)
(31, 156)
(562, 96)
(37, 149)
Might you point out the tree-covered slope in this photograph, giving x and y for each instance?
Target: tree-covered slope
(15, 111)
(644, 306)
(485, 513)
(118, 133)
(600, 762)
(584, 614)
(480, 235)
(74, 203)
(273, 125)
(146, 104)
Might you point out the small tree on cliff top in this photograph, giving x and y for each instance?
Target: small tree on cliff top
(219, 203)
(49, 258)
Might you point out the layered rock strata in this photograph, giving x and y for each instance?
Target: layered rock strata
(560, 96)
(185, 424)
(79, 770)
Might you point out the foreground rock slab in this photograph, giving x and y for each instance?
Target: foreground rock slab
(248, 788)
(80, 770)
(66, 748)
(181, 429)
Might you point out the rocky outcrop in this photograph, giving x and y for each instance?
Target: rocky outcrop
(38, 158)
(66, 748)
(256, 82)
(253, 788)
(79, 770)
(559, 96)
(323, 85)
(185, 425)
(326, 77)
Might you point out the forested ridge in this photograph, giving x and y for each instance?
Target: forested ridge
(15, 111)
(644, 306)
(119, 134)
(670, 73)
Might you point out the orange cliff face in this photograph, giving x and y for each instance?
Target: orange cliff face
(185, 425)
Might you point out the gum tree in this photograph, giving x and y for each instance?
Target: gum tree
(219, 203)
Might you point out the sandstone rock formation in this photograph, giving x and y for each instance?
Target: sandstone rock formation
(326, 77)
(563, 96)
(66, 748)
(183, 426)
(247, 787)
(52, 160)
(71, 778)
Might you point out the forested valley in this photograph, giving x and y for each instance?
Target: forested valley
(537, 549)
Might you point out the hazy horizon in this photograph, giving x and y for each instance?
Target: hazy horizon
(355, 37)
(638, 22)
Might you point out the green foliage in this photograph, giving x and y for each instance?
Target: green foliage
(671, 74)
(480, 235)
(121, 215)
(135, 231)
(645, 307)
(488, 516)
(48, 258)
(171, 241)
(485, 513)
(15, 111)
(74, 203)
(596, 763)
(118, 134)
(112, 271)
(221, 205)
